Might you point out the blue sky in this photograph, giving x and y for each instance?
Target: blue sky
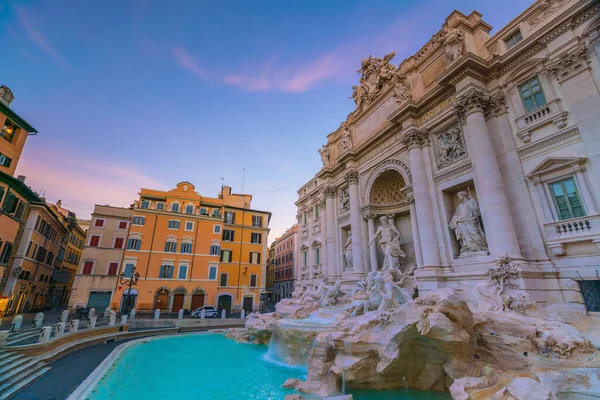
(132, 93)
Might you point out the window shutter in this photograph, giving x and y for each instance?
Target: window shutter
(258, 254)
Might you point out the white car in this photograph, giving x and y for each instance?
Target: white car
(209, 312)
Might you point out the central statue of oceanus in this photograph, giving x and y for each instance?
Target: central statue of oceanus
(389, 244)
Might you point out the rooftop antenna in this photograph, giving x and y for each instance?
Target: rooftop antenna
(222, 183)
(243, 178)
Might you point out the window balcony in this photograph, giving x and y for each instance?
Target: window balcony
(551, 112)
(580, 229)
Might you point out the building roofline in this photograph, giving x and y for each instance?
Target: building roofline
(22, 188)
(17, 119)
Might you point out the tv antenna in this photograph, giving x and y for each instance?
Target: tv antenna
(243, 178)
(222, 183)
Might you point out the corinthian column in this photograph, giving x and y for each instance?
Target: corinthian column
(414, 139)
(495, 212)
(329, 192)
(355, 222)
(370, 217)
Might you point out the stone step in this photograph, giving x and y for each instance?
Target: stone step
(25, 336)
(23, 332)
(21, 380)
(4, 354)
(10, 359)
(12, 365)
(17, 369)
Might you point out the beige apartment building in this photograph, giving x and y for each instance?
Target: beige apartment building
(97, 274)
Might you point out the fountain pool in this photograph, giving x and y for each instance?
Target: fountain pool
(207, 366)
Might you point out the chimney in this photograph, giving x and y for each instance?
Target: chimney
(21, 178)
(6, 96)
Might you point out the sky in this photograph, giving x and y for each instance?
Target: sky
(128, 94)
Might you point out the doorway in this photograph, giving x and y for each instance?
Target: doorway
(248, 302)
(224, 303)
(197, 301)
(128, 301)
(161, 301)
(178, 302)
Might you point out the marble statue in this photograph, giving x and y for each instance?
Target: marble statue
(316, 294)
(324, 152)
(384, 296)
(452, 39)
(331, 294)
(466, 226)
(346, 139)
(298, 292)
(348, 251)
(389, 244)
(450, 147)
(344, 200)
(360, 94)
(401, 92)
(374, 74)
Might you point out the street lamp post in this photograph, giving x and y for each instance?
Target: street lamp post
(129, 282)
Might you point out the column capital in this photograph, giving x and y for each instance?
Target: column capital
(474, 100)
(497, 104)
(415, 137)
(368, 214)
(352, 177)
(329, 191)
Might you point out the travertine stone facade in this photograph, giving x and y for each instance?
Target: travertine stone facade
(475, 147)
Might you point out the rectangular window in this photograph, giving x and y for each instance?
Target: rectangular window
(216, 213)
(88, 266)
(217, 229)
(175, 207)
(189, 226)
(566, 199)
(6, 251)
(514, 39)
(10, 203)
(2, 193)
(189, 209)
(254, 258)
(99, 223)
(8, 131)
(128, 270)
(173, 224)
(532, 94)
(223, 280)
(94, 241)
(139, 221)
(203, 211)
(160, 206)
(257, 221)
(20, 210)
(229, 217)
(228, 235)
(226, 256)
(145, 204)
(256, 238)
(134, 244)
(166, 272)
(212, 272)
(122, 224)
(317, 256)
(215, 250)
(171, 247)
(182, 272)
(112, 268)
(119, 243)
(590, 290)
(316, 211)
(5, 161)
(186, 248)
(305, 258)
(253, 280)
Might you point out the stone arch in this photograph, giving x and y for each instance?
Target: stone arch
(162, 298)
(519, 72)
(387, 165)
(162, 288)
(592, 26)
(180, 290)
(198, 290)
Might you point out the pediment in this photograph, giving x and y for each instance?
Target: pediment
(552, 164)
(304, 247)
(316, 243)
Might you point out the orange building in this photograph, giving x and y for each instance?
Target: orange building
(192, 250)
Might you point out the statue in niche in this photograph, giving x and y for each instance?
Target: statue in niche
(389, 244)
(466, 226)
(346, 139)
(453, 39)
(344, 200)
(324, 152)
(450, 147)
(348, 251)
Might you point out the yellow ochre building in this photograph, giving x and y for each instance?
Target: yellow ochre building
(191, 250)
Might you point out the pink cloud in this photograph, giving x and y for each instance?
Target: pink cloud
(81, 180)
(37, 37)
(187, 61)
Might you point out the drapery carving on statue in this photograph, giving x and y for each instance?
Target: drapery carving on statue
(450, 147)
(570, 63)
(348, 252)
(401, 90)
(325, 156)
(453, 40)
(325, 295)
(346, 141)
(374, 74)
(387, 237)
(384, 295)
(466, 226)
(344, 201)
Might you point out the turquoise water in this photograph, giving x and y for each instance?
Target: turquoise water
(207, 366)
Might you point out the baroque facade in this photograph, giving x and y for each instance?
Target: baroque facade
(475, 147)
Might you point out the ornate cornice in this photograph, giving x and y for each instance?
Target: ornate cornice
(352, 177)
(414, 137)
(329, 191)
(570, 63)
(474, 101)
(574, 132)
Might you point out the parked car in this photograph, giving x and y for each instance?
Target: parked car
(209, 312)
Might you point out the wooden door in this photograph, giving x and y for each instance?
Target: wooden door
(224, 303)
(178, 302)
(248, 301)
(162, 300)
(197, 301)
